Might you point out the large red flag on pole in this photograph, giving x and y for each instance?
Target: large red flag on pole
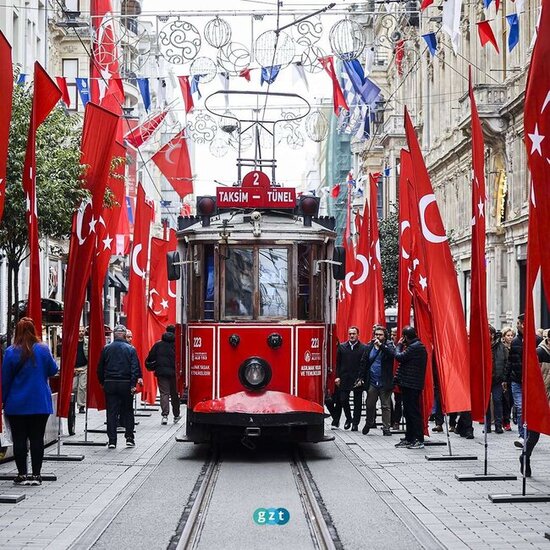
(136, 137)
(449, 327)
(378, 309)
(6, 85)
(337, 94)
(45, 96)
(105, 245)
(98, 141)
(536, 412)
(481, 362)
(186, 93)
(136, 312)
(173, 161)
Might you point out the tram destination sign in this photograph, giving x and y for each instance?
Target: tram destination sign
(256, 197)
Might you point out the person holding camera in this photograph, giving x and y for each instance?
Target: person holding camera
(377, 375)
(348, 378)
(118, 371)
(410, 376)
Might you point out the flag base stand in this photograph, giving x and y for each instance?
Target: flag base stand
(83, 443)
(486, 477)
(435, 444)
(450, 457)
(11, 476)
(11, 499)
(183, 439)
(148, 409)
(547, 535)
(143, 414)
(58, 457)
(511, 498)
(397, 431)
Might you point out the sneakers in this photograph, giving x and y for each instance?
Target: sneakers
(403, 444)
(34, 480)
(354, 427)
(437, 428)
(177, 419)
(20, 480)
(519, 443)
(507, 427)
(130, 443)
(81, 410)
(347, 425)
(334, 425)
(395, 426)
(499, 430)
(366, 429)
(386, 431)
(451, 428)
(416, 445)
(111, 446)
(164, 420)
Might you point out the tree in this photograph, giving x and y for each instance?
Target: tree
(58, 188)
(389, 252)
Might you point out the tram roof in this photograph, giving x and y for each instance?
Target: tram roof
(236, 226)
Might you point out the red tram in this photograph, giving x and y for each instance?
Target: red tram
(257, 294)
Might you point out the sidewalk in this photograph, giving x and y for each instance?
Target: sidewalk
(55, 514)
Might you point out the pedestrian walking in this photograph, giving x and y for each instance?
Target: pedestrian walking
(348, 379)
(27, 398)
(410, 376)
(514, 374)
(162, 360)
(80, 379)
(377, 377)
(119, 372)
(508, 334)
(500, 358)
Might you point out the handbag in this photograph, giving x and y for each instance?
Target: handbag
(150, 365)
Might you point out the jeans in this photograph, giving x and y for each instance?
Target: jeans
(413, 415)
(373, 394)
(28, 427)
(496, 393)
(518, 400)
(342, 402)
(118, 401)
(168, 390)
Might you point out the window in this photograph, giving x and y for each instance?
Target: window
(273, 282)
(304, 281)
(70, 72)
(239, 282)
(72, 5)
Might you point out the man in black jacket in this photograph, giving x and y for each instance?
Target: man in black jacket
(412, 358)
(118, 371)
(348, 375)
(377, 375)
(162, 359)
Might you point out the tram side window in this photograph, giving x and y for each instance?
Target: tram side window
(273, 267)
(239, 282)
(209, 282)
(304, 281)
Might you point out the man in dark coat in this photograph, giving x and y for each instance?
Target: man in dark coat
(118, 371)
(377, 375)
(348, 377)
(411, 373)
(162, 359)
(500, 359)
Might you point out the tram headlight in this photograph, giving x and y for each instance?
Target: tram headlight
(255, 373)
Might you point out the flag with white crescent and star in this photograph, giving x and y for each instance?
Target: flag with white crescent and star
(98, 142)
(136, 319)
(449, 327)
(536, 411)
(173, 161)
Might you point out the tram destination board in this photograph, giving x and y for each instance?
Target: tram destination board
(256, 197)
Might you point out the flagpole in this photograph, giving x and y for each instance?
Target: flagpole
(85, 442)
(58, 457)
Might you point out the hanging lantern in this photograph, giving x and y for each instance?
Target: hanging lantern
(205, 68)
(270, 51)
(228, 123)
(316, 126)
(217, 32)
(347, 39)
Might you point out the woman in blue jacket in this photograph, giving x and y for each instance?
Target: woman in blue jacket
(27, 397)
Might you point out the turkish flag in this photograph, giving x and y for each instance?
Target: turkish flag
(186, 93)
(337, 94)
(45, 96)
(136, 137)
(137, 307)
(399, 54)
(481, 360)
(449, 327)
(98, 142)
(378, 309)
(105, 245)
(6, 85)
(173, 161)
(105, 84)
(172, 296)
(62, 85)
(536, 123)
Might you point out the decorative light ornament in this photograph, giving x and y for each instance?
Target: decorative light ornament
(217, 32)
(228, 123)
(179, 42)
(308, 32)
(270, 51)
(203, 67)
(233, 58)
(201, 127)
(218, 147)
(316, 125)
(310, 59)
(347, 39)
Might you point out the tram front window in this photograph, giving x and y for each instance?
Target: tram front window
(273, 268)
(239, 282)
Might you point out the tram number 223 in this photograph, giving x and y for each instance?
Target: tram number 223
(197, 342)
(315, 343)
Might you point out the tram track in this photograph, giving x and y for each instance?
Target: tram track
(321, 529)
